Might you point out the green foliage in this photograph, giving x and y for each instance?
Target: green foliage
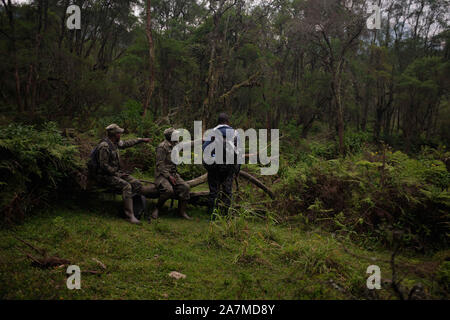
(301, 265)
(33, 165)
(61, 231)
(314, 256)
(372, 193)
(231, 225)
(355, 141)
(130, 118)
(443, 276)
(191, 171)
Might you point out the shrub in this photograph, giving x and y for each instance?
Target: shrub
(381, 194)
(33, 163)
(355, 141)
(443, 276)
(130, 118)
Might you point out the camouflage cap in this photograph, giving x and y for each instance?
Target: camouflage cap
(168, 133)
(114, 128)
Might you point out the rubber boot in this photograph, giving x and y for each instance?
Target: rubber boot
(182, 209)
(159, 206)
(128, 206)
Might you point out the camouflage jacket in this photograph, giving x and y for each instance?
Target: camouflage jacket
(109, 159)
(164, 165)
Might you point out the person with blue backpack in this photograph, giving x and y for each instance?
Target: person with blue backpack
(221, 173)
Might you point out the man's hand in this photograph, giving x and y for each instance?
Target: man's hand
(146, 140)
(120, 174)
(172, 180)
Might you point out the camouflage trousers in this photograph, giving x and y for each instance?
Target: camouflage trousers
(180, 189)
(122, 183)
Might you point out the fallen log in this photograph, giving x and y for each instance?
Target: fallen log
(199, 198)
(204, 178)
(153, 192)
(256, 182)
(45, 261)
(199, 194)
(242, 174)
(198, 181)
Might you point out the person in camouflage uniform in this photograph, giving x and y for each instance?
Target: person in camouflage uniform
(109, 172)
(167, 179)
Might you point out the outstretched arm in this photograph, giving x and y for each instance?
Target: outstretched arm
(129, 143)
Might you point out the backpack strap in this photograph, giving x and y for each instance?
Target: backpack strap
(110, 145)
(233, 143)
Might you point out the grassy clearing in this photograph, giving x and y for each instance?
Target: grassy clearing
(241, 258)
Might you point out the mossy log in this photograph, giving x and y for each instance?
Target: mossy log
(198, 197)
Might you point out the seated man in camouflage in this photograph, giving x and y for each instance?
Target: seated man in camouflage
(167, 179)
(109, 173)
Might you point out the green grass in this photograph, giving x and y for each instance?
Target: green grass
(241, 258)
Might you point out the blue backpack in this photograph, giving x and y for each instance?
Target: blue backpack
(225, 168)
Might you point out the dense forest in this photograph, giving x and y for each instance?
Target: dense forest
(364, 120)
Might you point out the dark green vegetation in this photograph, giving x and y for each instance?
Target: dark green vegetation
(364, 122)
(330, 221)
(278, 62)
(376, 193)
(236, 259)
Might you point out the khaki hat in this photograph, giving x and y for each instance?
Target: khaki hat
(168, 133)
(114, 128)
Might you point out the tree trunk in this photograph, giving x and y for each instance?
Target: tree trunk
(339, 108)
(211, 85)
(8, 8)
(151, 53)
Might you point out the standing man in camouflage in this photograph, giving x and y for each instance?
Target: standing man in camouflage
(109, 173)
(167, 179)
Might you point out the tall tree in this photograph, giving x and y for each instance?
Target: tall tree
(151, 57)
(335, 30)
